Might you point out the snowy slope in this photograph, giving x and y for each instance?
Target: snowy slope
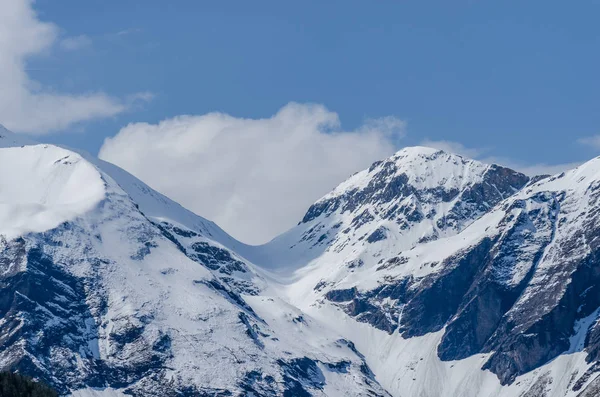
(428, 274)
(42, 197)
(417, 195)
(99, 296)
(450, 275)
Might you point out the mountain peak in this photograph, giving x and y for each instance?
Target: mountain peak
(10, 139)
(416, 150)
(59, 186)
(423, 168)
(417, 195)
(579, 178)
(108, 282)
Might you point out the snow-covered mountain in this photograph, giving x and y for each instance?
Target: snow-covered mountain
(452, 277)
(109, 287)
(426, 275)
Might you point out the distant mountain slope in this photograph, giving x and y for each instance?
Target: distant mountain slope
(472, 262)
(105, 292)
(428, 274)
(418, 195)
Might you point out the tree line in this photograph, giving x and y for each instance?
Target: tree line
(15, 385)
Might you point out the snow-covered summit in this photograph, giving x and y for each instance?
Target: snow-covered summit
(110, 288)
(447, 270)
(426, 274)
(44, 186)
(10, 139)
(424, 168)
(418, 176)
(49, 169)
(417, 195)
(578, 178)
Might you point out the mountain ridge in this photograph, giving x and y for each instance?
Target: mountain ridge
(426, 273)
(497, 268)
(111, 299)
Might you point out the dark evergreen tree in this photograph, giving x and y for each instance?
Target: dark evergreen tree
(15, 385)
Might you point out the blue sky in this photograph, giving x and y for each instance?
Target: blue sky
(501, 75)
(510, 81)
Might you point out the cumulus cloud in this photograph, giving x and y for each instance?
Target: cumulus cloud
(543, 168)
(25, 105)
(480, 154)
(254, 177)
(128, 31)
(454, 147)
(75, 43)
(592, 141)
(531, 169)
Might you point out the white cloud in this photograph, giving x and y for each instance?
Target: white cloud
(254, 177)
(531, 169)
(75, 43)
(25, 105)
(454, 147)
(479, 154)
(543, 168)
(592, 141)
(128, 31)
(390, 126)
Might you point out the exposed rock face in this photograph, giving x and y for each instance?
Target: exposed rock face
(418, 186)
(499, 264)
(426, 274)
(134, 294)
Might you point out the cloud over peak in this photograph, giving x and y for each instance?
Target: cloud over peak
(254, 177)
